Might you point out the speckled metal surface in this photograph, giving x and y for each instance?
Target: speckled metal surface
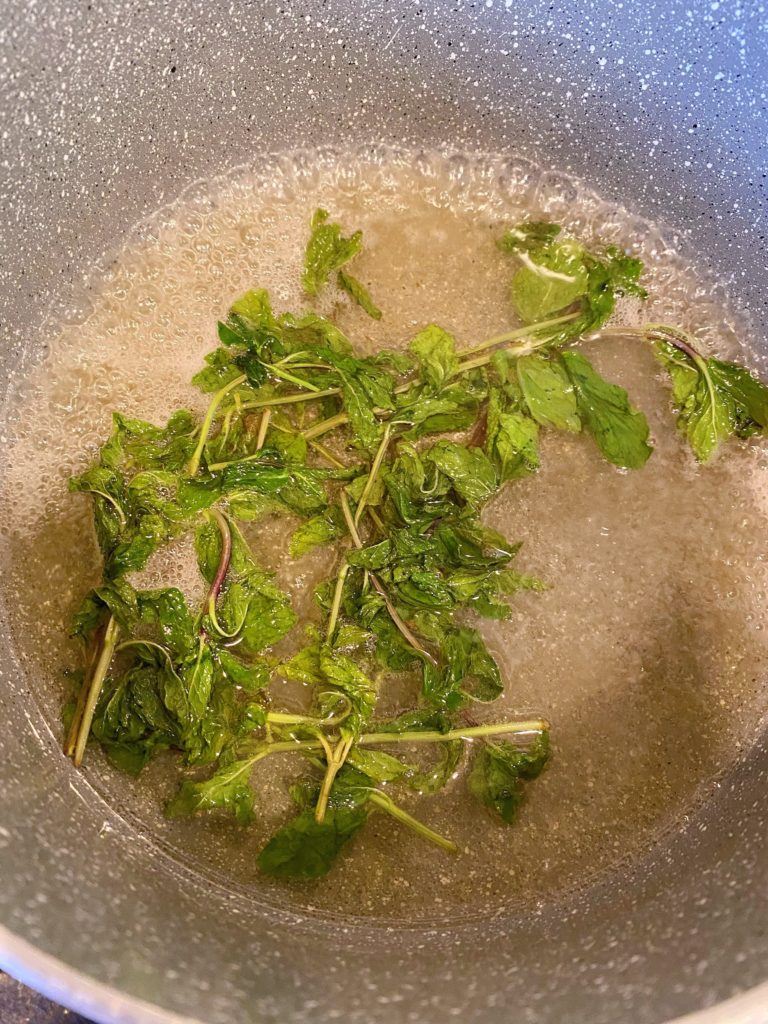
(111, 108)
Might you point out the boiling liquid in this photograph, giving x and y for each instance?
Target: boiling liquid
(648, 652)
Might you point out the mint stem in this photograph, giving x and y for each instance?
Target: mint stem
(81, 724)
(335, 763)
(520, 728)
(386, 804)
(375, 467)
(518, 332)
(311, 396)
(326, 425)
(224, 558)
(336, 604)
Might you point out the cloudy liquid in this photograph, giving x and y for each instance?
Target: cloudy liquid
(648, 654)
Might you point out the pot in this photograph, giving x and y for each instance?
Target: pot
(111, 109)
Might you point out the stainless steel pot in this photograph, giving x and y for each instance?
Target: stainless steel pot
(111, 108)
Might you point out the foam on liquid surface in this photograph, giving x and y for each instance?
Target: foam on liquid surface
(648, 653)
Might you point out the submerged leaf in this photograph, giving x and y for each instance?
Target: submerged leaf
(717, 400)
(358, 293)
(548, 392)
(435, 350)
(327, 250)
(551, 279)
(305, 848)
(501, 770)
(227, 789)
(471, 473)
(621, 432)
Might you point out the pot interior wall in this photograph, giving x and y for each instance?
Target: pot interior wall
(112, 109)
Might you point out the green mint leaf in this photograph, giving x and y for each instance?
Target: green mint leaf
(500, 772)
(431, 780)
(305, 848)
(350, 638)
(220, 368)
(251, 676)
(611, 275)
(377, 765)
(343, 674)
(131, 721)
(467, 671)
(327, 250)
(422, 589)
(250, 323)
(717, 400)
(551, 279)
(557, 274)
(304, 666)
(358, 293)
(360, 410)
(119, 597)
(620, 431)
(107, 488)
(136, 445)
(249, 605)
(319, 665)
(167, 609)
(442, 414)
(324, 528)
(435, 350)
(470, 471)
(548, 393)
(374, 557)
(227, 789)
(512, 441)
(190, 701)
(313, 331)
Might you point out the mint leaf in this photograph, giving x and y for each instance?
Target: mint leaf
(220, 370)
(323, 528)
(431, 780)
(377, 765)
(320, 665)
(551, 279)
(471, 473)
(500, 772)
(251, 676)
(548, 393)
(304, 666)
(131, 721)
(249, 605)
(435, 350)
(250, 323)
(327, 250)
(453, 410)
(227, 789)
(167, 609)
(343, 674)
(560, 273)
(468, 671)
(717, 400)
(358, 293)
(620, 431)
(305, 848)
(512, 441)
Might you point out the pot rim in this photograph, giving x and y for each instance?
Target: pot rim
(78, 992)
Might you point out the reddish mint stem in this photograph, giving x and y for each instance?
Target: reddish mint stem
(224, 559)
